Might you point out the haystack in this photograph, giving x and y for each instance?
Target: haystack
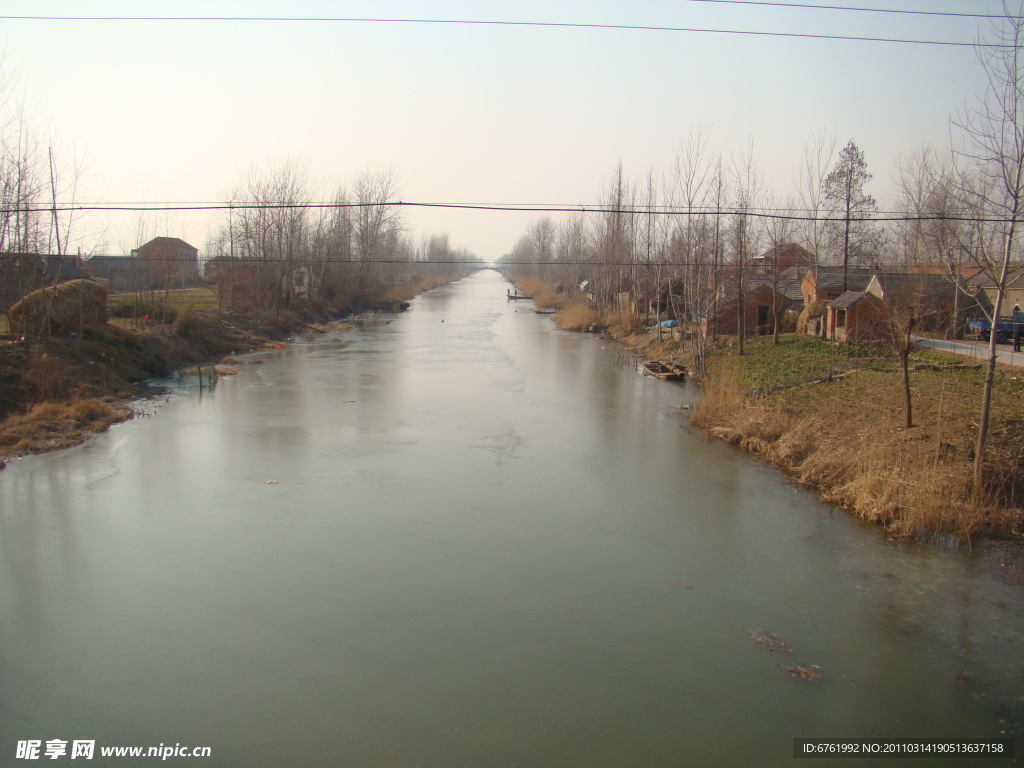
(64, 308)
(815, 309)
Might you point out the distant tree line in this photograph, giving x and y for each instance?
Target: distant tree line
(276, 246)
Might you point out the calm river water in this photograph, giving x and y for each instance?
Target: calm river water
(487, 545)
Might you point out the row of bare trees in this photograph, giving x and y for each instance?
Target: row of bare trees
(277, 244)
(688, 236)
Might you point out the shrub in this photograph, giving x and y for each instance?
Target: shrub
(194, 328)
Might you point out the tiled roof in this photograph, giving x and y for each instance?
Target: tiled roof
(857, 278)
(924, 285)
(1015, 278)
(848, 299)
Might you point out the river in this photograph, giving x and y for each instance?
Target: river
(460, 537)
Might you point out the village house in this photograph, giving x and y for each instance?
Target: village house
(856, 317)
(862, 316)
(118, 273)
(826, 283)
(782, 258)
(168, 262)
(932, 298)
(760, 296)
(983, 288)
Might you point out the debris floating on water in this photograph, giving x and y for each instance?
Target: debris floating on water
(271, 482)
(684, 585)
(810, 673)
(770, 641)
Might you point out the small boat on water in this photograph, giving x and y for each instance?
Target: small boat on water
(511, 295)
(664, 370)
(545, 311)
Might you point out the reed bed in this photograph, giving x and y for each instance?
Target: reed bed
(52, 425)
(577, 317)
(845, 439)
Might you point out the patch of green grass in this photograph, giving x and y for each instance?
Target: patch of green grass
(194, 300)
(796, 358)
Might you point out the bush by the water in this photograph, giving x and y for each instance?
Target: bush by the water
(195, 328)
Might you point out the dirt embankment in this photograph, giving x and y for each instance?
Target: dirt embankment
(58, 390)
(65, 375)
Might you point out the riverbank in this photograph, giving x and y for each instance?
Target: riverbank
(59, 391)
(832, 417)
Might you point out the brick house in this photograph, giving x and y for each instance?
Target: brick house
(826, 283)
(931, 297)
(759, 296)
(168, 262)
(856, 317)
(777, 260)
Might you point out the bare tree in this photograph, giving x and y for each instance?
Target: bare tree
(936, 229)
(779, 231)
(744, 236)
(908, 302)
(993, 149)
(378, 224)
(819, 152)
(696, 191)
(542, 234)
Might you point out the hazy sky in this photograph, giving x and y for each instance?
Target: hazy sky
(176, 110)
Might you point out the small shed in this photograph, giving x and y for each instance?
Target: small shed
(856, 317)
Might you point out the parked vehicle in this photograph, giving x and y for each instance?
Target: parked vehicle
(1004, 328)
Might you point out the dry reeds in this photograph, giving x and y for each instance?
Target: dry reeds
(542, 292)
(622, 323)
(51, 425)
(63, 308)
(577, 317)
(812, 310)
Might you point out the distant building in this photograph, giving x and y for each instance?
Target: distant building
(786, 256)
(983, 287)
(168, 262)
(119, 273)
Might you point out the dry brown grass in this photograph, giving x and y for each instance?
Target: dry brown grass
(853, 449)
(621, 323)
(543, 292)
(52, 425)
(64, 308)
(577, 317)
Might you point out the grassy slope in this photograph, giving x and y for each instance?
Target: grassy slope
(846, 437)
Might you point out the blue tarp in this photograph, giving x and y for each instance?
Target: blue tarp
(669, 323)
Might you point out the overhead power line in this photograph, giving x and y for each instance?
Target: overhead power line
(502, 23)
(809, 6)
(789, 215)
